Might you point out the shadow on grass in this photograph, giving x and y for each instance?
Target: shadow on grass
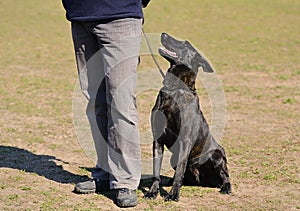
(145, 184)
(42, 165)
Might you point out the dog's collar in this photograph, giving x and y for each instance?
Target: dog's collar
(172, 82)
(173, 86)
(172, 90)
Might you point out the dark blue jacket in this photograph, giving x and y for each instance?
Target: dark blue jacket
(91, 10)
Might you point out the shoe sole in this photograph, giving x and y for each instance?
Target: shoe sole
(78, 190)
(126, 204)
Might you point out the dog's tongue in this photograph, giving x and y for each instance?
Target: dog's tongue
(166, 51)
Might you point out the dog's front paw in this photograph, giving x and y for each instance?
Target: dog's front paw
(172, 197)
(153, 191)
(150, 195)
(226, 188)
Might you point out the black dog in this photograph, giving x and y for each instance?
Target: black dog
(178, 123)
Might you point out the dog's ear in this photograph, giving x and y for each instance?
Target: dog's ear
(202, 62)
(198, 60)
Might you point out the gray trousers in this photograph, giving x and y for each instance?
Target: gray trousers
(107, 58)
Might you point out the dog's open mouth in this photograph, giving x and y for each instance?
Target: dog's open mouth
(164, 52)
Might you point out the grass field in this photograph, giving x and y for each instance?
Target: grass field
(254, 46)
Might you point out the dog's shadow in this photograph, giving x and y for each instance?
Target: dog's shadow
(144, 185)
(42, 165)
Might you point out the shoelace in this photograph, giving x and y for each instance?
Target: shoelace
(125, 190)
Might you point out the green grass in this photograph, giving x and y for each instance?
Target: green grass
(13, 197)
(25, 188)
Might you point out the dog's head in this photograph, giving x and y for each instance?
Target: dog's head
(184, 60)
(182, 53)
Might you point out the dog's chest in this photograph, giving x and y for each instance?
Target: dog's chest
(180, 107)
(176, 102)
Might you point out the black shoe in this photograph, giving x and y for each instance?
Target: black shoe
(92, 186)
(126, 198)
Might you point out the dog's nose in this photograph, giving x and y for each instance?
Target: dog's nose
(164, 35)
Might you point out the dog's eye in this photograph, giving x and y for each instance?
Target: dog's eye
(186, 43)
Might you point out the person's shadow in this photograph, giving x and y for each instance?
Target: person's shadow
(42, 165)
(45, 165)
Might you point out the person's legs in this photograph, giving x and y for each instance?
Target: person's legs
(91, 76)
(112, 46)
(121, 44)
